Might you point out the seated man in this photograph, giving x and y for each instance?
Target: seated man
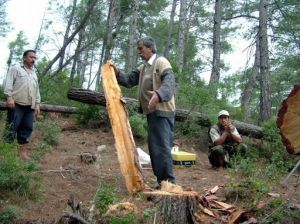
(225, 141)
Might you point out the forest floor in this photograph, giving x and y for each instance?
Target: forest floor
(64, 174)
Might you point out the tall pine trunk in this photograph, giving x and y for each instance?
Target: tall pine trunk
(181, 35)
(215, 72)
(168, 45)
(265, 82)
(248, 92)
(131, 56)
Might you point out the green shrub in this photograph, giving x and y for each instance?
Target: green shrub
(88, 113)
(49, 130)
(40, 151)
(138, 125)
(105, 196)
(127, 219)
(15, 174)
(9, 214)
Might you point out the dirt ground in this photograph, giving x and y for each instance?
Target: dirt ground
(63, 173)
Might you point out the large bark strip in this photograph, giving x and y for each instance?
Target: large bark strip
(125, 145)
(92, 97)
(288, 121)
(49, 108)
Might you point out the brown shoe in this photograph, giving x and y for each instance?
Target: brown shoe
(23, 152)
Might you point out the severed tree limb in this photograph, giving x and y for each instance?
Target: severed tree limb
(93, 97)
(125, 145)
(48, 108)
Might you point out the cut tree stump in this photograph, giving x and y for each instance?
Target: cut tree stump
(92, 97)
(288, 121)
(126, 149)
(174, 205)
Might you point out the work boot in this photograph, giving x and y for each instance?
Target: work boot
(23, 152)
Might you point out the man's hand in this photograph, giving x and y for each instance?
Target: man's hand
(10, 102)
(154, 99)
(37, 111)
(117, 71)
(229, 127)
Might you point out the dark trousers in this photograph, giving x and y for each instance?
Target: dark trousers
(19, 124)
(160, 141)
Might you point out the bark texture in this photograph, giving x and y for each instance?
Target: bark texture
(288, 121)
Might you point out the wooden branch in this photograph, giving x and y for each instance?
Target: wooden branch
(48, 108)
(92, 97)
(126, 149)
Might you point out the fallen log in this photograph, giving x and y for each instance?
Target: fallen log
(288, 121)
(48, 108)
(118, 115)
(92, 97)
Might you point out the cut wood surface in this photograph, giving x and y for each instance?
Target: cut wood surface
(48, 108)
(288, 121)
(126, 149)
(92, 97)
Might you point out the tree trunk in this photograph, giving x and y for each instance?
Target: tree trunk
(48, 108)
(92, 97)
(181, 33)
(265, 86)
(215, 72)
(76, 56)
(247, 94)
(130, 62)
(288, 121)
(168, 44)
(126, 149)
(70, 21)
(89, 10)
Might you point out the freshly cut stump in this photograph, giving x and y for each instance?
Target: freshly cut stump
(125, 145)
(174, 205)
(288, 121)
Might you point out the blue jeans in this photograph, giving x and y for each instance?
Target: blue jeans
(160, 141)
(19, 124)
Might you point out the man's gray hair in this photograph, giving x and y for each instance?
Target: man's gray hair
(149, 42)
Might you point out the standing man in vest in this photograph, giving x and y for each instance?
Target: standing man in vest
(226, 141)
(156, 83)
(21, 89)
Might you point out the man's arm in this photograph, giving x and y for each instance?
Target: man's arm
(127, 80)
(8, 88)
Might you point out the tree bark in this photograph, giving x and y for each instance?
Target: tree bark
(131, 56)
(92, 97)
(247, 94)
(265, 81)
(215, 72)
(288, 121)
(168, 44)
(181, 35)
(48, 108)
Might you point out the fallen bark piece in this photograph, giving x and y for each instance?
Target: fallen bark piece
(125, 145)
(236, 217)
(288, 121)
(214, 190)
